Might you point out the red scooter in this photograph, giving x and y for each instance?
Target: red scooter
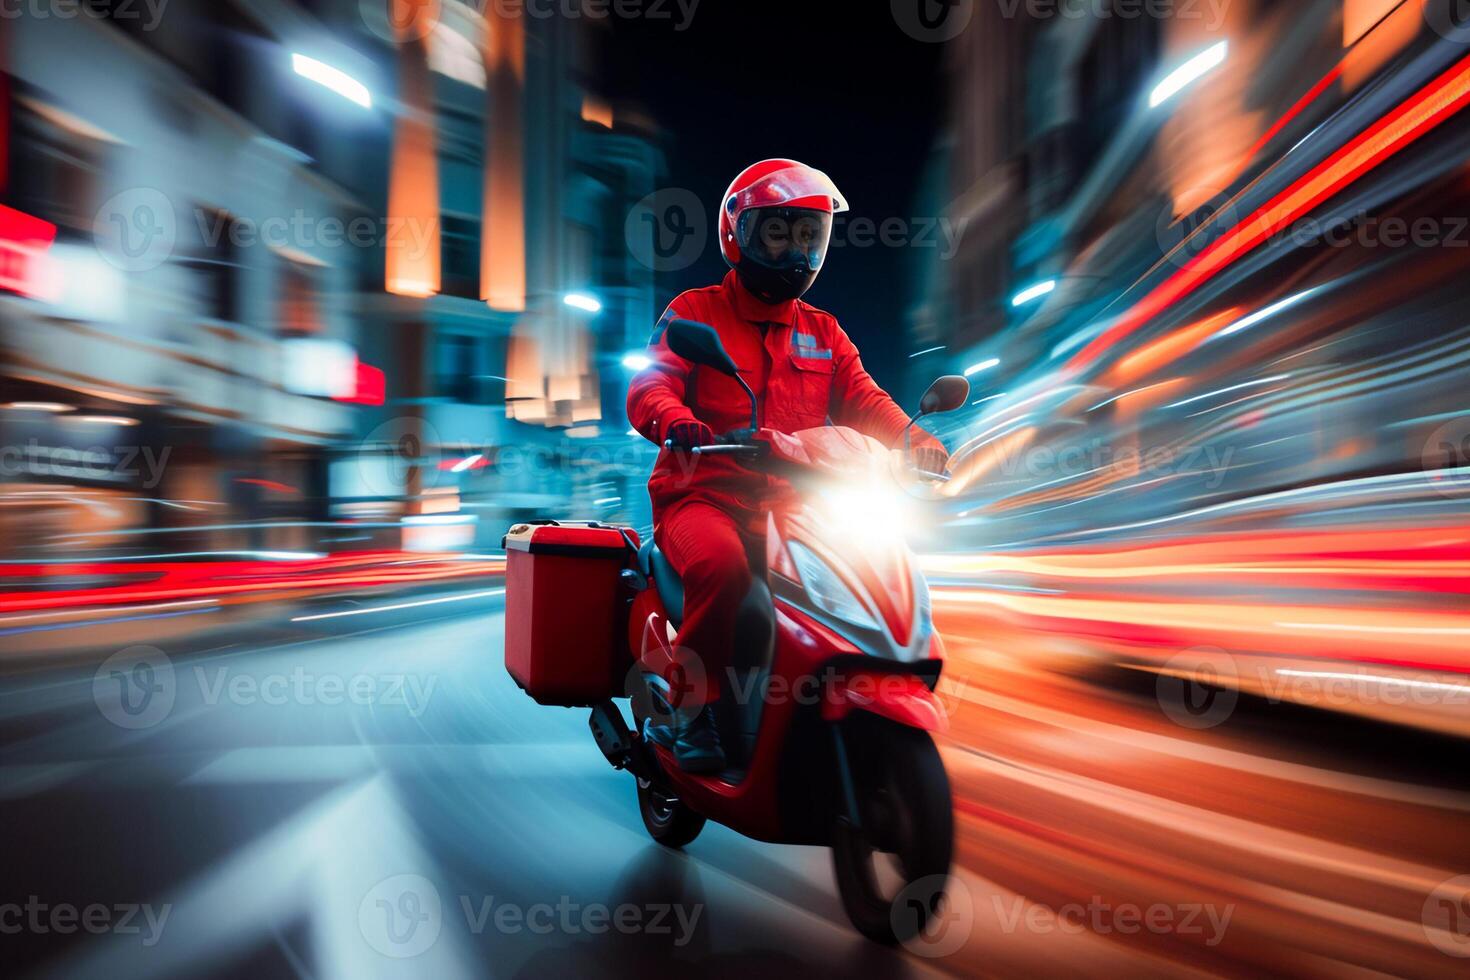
(826, 717)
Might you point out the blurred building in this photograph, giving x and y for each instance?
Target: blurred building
(251, 284)
(505, 395)
(1061, 173)
(1178, 287)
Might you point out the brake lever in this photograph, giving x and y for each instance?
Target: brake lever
(731, 449)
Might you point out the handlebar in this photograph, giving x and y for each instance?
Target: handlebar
(734, 445)
(745, 449)
(730, 449)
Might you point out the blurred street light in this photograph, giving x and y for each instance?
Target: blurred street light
(637, 362)
(985, 365)
(1191, 71)
(333, 78)
(582, 301)
(38, 406)
(1033, 292)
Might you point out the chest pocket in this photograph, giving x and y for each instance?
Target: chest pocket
(813, 373)
(719, 401)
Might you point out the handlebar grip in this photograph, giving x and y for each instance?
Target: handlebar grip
(728, 449)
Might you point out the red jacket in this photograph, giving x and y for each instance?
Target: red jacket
(804, 371)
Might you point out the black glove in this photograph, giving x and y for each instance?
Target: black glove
(688, 433)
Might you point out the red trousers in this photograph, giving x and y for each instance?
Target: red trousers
(717, 554)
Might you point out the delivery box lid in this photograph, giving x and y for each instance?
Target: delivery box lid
(572, 539)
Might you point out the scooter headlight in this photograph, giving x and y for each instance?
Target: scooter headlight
(875, 516)
(827, 590)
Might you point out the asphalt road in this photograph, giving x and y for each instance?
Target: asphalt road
(294, 780)
(356, 789)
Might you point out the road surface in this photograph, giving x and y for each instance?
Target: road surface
(355, 788)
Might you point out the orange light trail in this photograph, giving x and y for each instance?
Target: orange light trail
(1417, 116)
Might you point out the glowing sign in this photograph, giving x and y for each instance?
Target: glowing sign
(25, 267)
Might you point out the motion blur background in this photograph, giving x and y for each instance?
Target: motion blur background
(302, 302)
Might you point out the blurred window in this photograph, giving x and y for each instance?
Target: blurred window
(216, 263)
(54, 171)
(457, 368)
(228, 42)
(299, 312)
(460, 256)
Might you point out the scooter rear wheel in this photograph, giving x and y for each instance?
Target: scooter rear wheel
(666, 818)
(906, 821)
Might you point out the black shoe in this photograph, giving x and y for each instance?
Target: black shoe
(695, 743)
(697, 746)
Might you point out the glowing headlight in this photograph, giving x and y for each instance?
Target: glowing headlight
(877, 515)
(827, 590)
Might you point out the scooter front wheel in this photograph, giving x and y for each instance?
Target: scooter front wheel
(666, 818)
(893, 866)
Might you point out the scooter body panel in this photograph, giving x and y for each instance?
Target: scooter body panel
(823, 667)
(898, 697)
(751, 806)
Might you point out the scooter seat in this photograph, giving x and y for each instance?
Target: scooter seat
(656, 567)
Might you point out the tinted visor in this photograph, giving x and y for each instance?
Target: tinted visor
(784, 238)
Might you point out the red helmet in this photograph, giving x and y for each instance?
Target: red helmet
(775, 224)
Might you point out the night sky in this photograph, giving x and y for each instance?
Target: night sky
(839, 87)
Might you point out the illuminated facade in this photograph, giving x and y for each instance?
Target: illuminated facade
(273, 257)
(194, 280)
(493, 364)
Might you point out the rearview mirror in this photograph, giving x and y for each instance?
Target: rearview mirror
(699, 343)
(945, 395)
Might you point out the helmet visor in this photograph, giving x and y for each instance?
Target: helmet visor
(797, 186)
(788, 239)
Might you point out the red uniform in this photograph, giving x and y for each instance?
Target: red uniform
(709, 512)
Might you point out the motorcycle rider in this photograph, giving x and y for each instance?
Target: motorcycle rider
(710, 512)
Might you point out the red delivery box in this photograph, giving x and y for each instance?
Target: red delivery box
(566, 610)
